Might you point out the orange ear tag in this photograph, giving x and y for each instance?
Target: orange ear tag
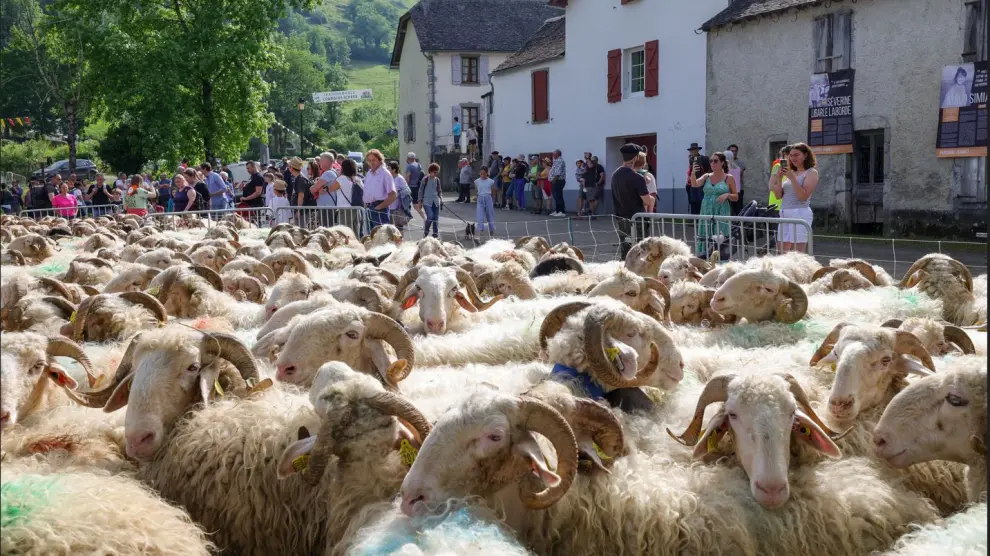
(409, 302)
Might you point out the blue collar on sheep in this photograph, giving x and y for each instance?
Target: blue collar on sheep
(591, 387)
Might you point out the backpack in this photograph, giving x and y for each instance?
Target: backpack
(39, 197)
(202, 197)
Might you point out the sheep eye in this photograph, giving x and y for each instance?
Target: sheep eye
(352, 335)
(956, 401)
(733, 416)
(885, 361)
(631, 294)
(495, 437)
(194, 368)
(37, 368)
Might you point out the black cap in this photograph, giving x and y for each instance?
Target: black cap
(631, 148)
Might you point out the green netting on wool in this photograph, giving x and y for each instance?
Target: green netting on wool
(20, 497)
(51, 268)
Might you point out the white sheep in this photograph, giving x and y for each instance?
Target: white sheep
(946, 279)
(965, 533)
(760, 295)
(437, 290)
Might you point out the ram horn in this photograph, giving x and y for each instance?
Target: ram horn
(381, 327)
(916, 266)
(601, 424)
(320, 454)
(95, 262)
(827, 344)
(55, 287)
(148, 302)
(390, 276)
(906, 343)
(325, 244)
(230, 348)
(169, 277)
(209, 275)
(601, 366)
(408, 278)
(374, 231)
(99, 398)
(298, 262)
(802, 399)
(578, 252)
(701, 264)
(822, 272)
(390, 403)
(64, 347)
(538, 417)
(556, 318)
(892, 323)
(717, 390)
(465, 280)
(312, 258)
(16, 256)
(864, 268)
(368, 298)
(61, 303)
(799, 303)
(657, 286)
(82, 315)
(958, 336)
(89, 290)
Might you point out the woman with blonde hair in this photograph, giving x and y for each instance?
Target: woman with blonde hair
(736, 172)
(642, 168)
(794, 184)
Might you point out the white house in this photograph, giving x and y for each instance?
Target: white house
(634, 70)
(445, 51)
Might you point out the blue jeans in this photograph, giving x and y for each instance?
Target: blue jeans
(377, 217)
(507, 193)
(519, 186)
(218, 203)
(432, 217)
(486, 211)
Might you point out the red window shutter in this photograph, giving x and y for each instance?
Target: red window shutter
(614, 75)
(652, 68)
(541, 108)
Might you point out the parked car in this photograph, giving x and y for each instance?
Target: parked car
(85, 169)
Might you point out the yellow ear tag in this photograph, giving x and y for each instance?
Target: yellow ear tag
(407, 452)
(72, 317)
(154, 291)
(217, 388)
(712, 444)
(300, 463)
(613, 356)
(600, 453)
(260, 387)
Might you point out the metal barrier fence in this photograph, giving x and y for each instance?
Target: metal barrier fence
(734, 237)
(81, 211)
(259, 216)
(355, 218)
(897, 255)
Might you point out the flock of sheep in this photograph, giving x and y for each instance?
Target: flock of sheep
(219, 387)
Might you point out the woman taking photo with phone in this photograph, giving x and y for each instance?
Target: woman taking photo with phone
(719, 187)
(794, 184)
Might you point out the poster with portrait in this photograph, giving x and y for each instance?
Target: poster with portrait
(830, 112)
(962, 115)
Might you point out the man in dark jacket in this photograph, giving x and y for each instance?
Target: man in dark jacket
(695, 194)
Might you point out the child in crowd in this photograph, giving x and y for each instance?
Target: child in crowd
(430, 198)
(486, 205)
(280, 201)
(582, 188)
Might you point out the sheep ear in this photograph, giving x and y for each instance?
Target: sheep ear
(120, 394)
(298, 451)
(61, 377)
(465, 304)
(209, 383)
(410, 301)
(805, 429)
(531, 452)
(716, 429)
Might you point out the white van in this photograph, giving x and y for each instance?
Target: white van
(356, 157)
(238, 172)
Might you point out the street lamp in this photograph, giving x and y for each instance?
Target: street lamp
(302, 106)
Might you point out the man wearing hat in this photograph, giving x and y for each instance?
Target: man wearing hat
(414, 173)
(696, 194)
(629, 195)
(294, 167)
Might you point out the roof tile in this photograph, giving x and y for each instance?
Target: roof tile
(745, 9)
(546, 43)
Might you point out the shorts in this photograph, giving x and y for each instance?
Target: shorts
(794, 233)
(593, 193)
(473, 142)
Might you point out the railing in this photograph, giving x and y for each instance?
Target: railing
(734, 237)
(258, 216)
(81, 211)
(897, 255)
(355, 218)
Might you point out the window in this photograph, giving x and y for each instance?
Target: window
(469, 116)
(775, 147)
(833, 42)
(869, 157)
(637, 71)
(975, 37)
(540, 84)
(470, 66)
(409, 128)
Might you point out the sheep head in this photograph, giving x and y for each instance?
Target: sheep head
(437, 290)
(38, 313)
(28, 367)
(870, 362)
(33, 247)
(352, 407)
(939, 417)
(111, 316)
(764, 413)
(382, 235)
(89, 271)
(646, 295)
(939, 338)
(485, 444)
(183, 289)
(676, 268)
(691, 303)
(645, 257)
(242, 287)
(552, 263)
(508, 280)
(833, 279)
(287, 260)
(213, 258)
(165, 372)
(133, 278)
(761, 295)
(162, 258)
(290, 287)
(535, 246)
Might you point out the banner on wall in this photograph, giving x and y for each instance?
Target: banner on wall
(342, 96)
(830, 112)
(962, 114)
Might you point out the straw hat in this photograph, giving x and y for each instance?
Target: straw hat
(279, 185)
(296, 163)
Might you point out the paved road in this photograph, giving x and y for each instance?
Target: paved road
(599, 242)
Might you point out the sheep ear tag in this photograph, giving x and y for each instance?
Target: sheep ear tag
(613, 356)
(407, 452)
(805, 429)
(409, 302)
(154, 291)
(709, 441)
(295, 457)
(72, 317)
(61, 377)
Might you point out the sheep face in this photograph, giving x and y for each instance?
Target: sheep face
(485, 444)
(765, 414)
(438, 293)
(290, 287)
(512, 280)
(34, 247)
(26, 364)
(163, 374)
(938, 338)
(637, 293)
(646, 256)
(134, 278)
(161, 258)
(213, 258)
(690, 303)
(940, 417)
(760, 295)
(870, 362)
(677, 268)
(349, 335)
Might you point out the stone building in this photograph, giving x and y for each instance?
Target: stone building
(760, 58)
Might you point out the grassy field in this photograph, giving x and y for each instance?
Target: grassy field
(378, 78)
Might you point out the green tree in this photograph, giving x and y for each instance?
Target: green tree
(123, 149)
(187, 74)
